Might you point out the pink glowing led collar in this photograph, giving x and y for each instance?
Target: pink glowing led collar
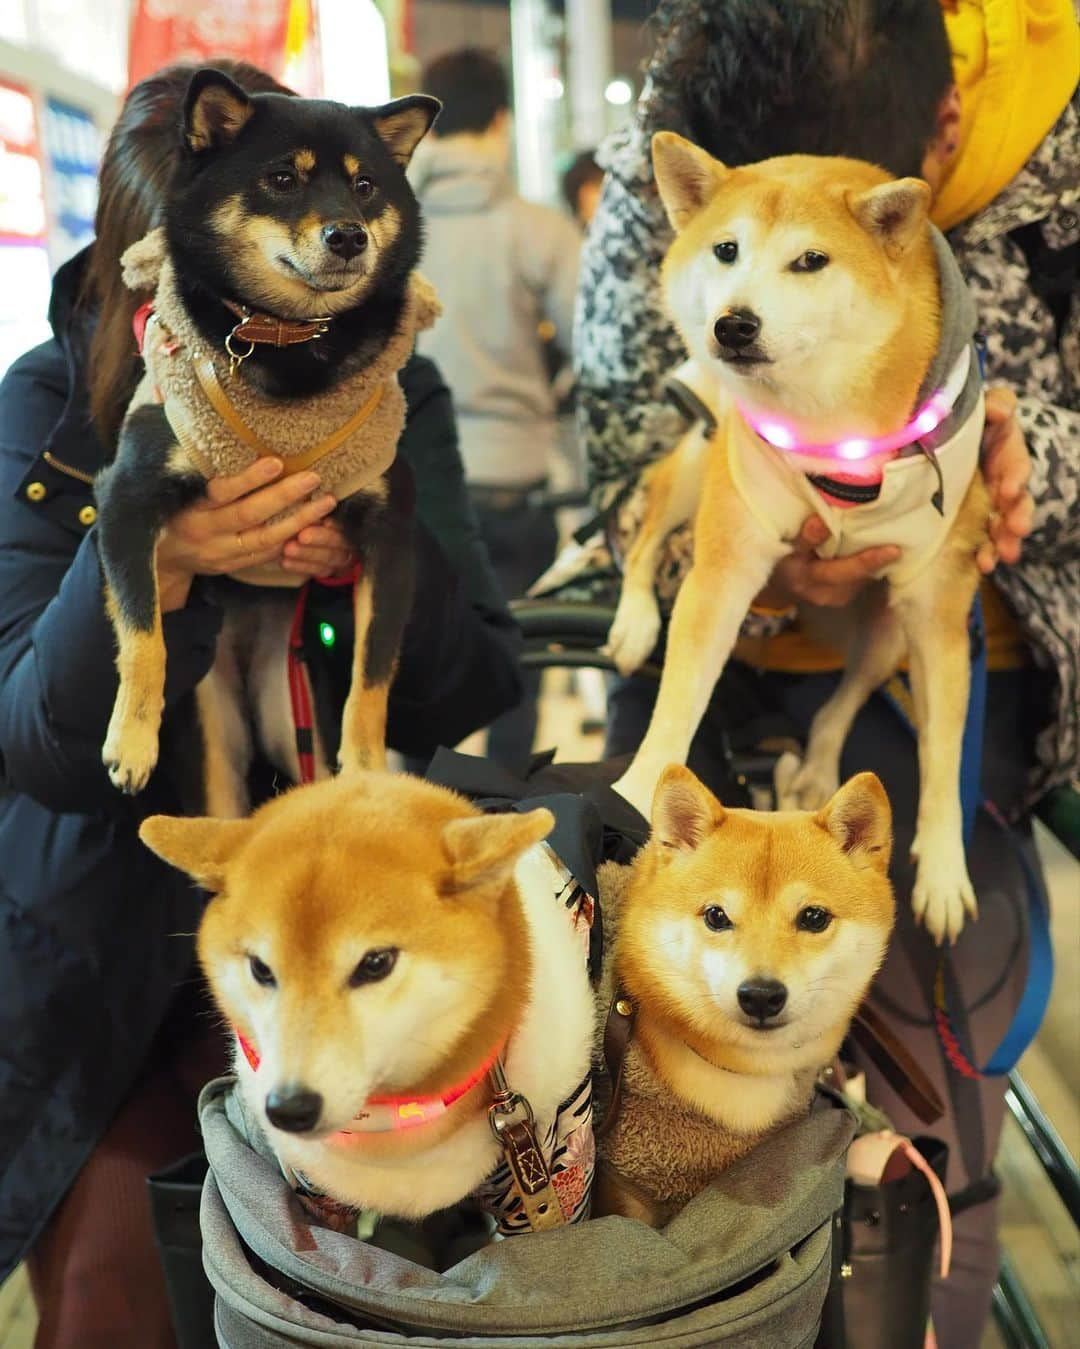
(857, 448)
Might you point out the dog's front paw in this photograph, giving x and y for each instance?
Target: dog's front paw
(805, 785)
(635, 631)
(943, 892)
(130, 753)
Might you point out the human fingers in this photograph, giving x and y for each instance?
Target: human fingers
(1006, 536)
(814, 532)
(258, 507)
(1006, 462)
(1000, 404)
(224, 490)
(277, 533)
(1018, 522)
(315, 561)
(327, 534)
(836, 581)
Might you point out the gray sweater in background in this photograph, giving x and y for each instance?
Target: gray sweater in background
(501, 265)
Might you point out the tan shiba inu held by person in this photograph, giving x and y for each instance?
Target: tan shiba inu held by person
(741, 943)
(831, 344)
(379, 946)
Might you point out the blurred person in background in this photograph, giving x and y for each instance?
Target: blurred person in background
(581, 186)
(502, 267)
(979, 97)
(107, 1034)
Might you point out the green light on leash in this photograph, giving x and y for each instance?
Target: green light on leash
(327, 634)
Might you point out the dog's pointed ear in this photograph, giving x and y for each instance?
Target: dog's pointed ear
(684, 811)
(403, 124)
(894, 212)
(859, 818)
(483, 849)
(216, 110)
(201, 847)
(686, 176)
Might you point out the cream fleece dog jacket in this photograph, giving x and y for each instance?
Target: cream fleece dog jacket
(290, 427)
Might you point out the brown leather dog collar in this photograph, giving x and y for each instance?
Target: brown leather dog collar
(272, 331)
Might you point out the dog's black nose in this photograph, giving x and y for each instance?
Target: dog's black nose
(294, 1109)
(346, 238)
(762, 998)
(737, 328)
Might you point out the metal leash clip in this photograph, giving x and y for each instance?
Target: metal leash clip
(236, 357)
(506, 1103)
(514, 1126)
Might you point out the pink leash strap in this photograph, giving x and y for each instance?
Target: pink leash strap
(868, 1160)
(941, 1199)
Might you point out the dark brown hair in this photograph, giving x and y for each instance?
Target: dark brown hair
(583, 170)
(748, 79)
(135, 170)
(472, 87)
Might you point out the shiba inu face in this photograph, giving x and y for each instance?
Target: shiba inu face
(750, 936)
(362, 938)
(790, 277)
(294, 206)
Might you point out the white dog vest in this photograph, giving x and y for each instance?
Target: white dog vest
(905, 513)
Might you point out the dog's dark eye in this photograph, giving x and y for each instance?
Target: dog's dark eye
(261, 972)
(283, 180)
(810, 261)
(728, 251)
(364, 188)
(813, 919)
(373, 966)
(717, 919)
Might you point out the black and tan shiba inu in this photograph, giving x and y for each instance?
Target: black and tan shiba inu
(831, 339)
(285, 301)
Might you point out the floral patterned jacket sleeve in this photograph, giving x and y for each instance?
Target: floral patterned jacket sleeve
(625, 346)
(1020, 258)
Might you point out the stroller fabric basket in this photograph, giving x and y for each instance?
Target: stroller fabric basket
(746, 1263)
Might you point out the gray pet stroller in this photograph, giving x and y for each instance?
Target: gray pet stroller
(747, 1263)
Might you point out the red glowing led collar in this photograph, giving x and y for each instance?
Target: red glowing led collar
(381, 1114)
(854, 449)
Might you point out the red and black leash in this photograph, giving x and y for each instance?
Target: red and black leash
(300, 697)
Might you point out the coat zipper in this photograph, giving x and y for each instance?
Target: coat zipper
(77, 473)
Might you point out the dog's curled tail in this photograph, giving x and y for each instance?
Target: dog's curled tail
(141, 263)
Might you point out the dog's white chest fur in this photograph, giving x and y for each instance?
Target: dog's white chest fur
(548, 1057)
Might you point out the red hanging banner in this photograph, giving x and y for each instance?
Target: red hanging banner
(279, 36)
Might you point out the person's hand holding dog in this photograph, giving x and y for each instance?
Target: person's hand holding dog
(230, 530)
(1006, 467)
(834, 582)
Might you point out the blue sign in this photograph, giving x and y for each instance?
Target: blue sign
(72, 146)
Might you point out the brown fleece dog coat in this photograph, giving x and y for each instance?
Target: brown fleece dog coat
(289, 427)
(658, 1151)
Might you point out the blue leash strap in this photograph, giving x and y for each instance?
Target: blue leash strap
(1040, 975)
(971, 750)
(1036, 995)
